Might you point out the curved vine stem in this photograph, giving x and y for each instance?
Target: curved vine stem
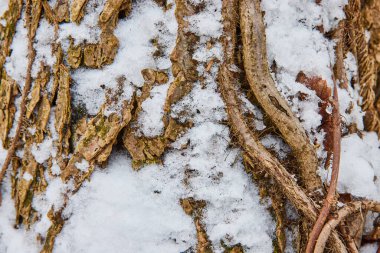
(330, 198)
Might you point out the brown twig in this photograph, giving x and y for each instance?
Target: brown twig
(26, 89)
(341, 215)
(330, 198)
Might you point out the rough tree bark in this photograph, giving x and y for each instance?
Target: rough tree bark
(91, 138)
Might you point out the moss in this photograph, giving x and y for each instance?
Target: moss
(102, 127)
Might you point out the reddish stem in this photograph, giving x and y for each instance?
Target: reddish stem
(329, 200)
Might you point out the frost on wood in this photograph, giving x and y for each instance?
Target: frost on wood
(210, 121)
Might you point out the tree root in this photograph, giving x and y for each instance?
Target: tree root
(269, 189)
(246, 138)
(349, 209)
(266, 93)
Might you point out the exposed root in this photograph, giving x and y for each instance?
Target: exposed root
(268, 189)
(263, 87)
(246, 138)
(349, 209)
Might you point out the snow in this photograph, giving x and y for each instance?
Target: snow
(233, 211)
(293, 40)
(202, 24)
(369, 248)
(43, 46)
(135, 53)
(295, 44)
(360, 166)
(43, 151)
(16, 63)
(83, 165)
(26, 176)
(121, 209)
(150, 118)
(276, 144)
(3, 6)
(332, 13)
(55, 169)
(88, 29)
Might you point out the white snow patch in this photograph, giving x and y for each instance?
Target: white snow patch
(43, 46)
(16, 63)
(88, 30)
(147, 21)
(208, 21)
(83, 165)
(293, 40)
(55, 169)
(26, 176)
(369, 248)
(3, 6)
(360, 166)
(43, 150)
(127, 211)
(276, 144)
(150, 118)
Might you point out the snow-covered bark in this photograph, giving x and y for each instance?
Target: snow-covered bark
(128, 120)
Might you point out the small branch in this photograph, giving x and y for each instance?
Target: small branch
(342, 214)
(28, 81)
(330, 198)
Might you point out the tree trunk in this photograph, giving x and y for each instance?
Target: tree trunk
(197, 101)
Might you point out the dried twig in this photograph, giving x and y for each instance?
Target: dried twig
(26, 89)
